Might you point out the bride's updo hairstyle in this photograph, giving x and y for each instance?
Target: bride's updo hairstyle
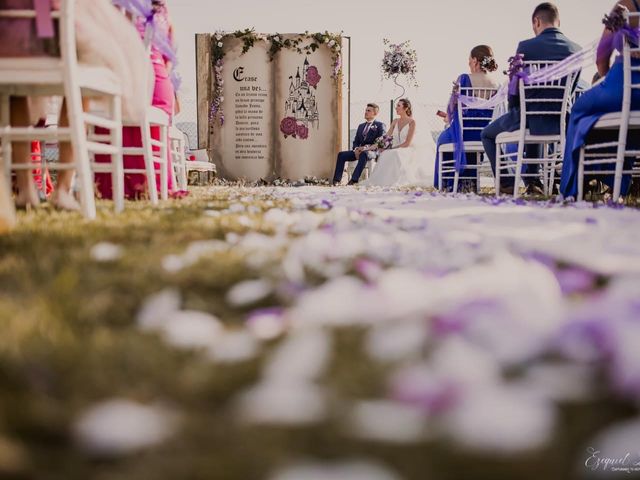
(484, 55)
(407, 105)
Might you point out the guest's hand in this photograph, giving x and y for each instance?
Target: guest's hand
(358, 151)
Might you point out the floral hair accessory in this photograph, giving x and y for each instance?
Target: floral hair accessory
(488, 63)
(617, 19)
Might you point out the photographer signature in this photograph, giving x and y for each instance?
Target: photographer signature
(626, 463)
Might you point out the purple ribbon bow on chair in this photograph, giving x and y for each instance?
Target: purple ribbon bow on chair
(44, 22)
(626, 32)
(516, 73)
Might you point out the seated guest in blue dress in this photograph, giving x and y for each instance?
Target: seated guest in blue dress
(366, 135)
(549, 44)
(605, 97)
(482, 64)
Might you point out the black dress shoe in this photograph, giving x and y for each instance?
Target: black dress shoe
(352, 182)
(535, 189)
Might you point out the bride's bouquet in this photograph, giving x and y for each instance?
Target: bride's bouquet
(399, 59)
(384, 142)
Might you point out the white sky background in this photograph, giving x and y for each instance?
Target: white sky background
(442, 32)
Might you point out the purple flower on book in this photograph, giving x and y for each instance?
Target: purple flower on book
(288, 126)
(313, 77)
(302, 131)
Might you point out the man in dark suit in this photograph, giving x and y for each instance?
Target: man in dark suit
(549, 44)
(366, 135)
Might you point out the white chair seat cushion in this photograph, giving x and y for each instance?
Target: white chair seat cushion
(514, 137)
(31, 74)
(469, 147)
(613, 120)
(197, 165)
(157, 116)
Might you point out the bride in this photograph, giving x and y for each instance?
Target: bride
(410, 160)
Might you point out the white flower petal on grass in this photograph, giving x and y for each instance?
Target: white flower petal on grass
(303, 356)
(194, 251)
(245, 221)
(625, 366)
(234, 347)
(341, 301)
(387, 422)
(396, 341)
(266, 324)
(278, 217)
(283, 403)
(118, 427)
(237, 208)
(157, 308)
(106, 252)
(173, 263)
(465, 363)
(502, 421)
(191, 329)
(351, 470)
(249, 292)
(407, 293)
(561, 383)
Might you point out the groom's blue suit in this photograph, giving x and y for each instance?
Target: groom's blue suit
(375, 130)
(550, 45)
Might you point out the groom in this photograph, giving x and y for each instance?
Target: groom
(549, 44)
(366, 135)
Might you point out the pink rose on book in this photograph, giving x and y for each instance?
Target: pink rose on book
(303, 131)
(288, 126)
(313, 77)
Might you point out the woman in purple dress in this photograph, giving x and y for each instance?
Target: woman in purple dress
(481, 66)
(606, 97)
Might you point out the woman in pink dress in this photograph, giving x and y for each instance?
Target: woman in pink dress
(163, 98)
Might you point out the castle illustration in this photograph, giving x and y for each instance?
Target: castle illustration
(301, 103)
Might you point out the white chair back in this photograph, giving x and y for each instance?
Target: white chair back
(475, 119)
(550, 99)
(629, 85)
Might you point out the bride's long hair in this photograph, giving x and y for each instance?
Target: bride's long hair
(407, 105)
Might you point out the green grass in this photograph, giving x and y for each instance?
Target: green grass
(68, 340)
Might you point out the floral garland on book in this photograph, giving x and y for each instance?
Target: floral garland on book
(301, 45)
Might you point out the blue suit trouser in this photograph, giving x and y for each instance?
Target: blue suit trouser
(509, 122)
(350, 156)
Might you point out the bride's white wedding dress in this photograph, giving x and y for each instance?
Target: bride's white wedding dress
(410, 166)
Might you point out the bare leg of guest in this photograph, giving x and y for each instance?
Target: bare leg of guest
(7, 212)
(21, 153)
(63, 196)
